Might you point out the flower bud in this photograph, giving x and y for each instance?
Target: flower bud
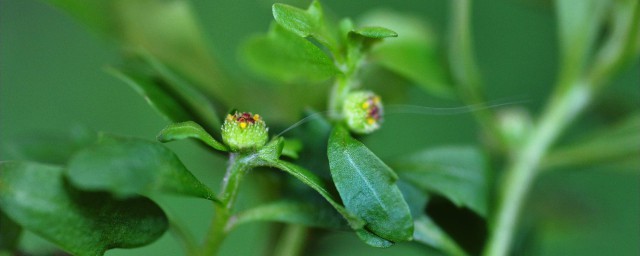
(244, 131)
(363, 111)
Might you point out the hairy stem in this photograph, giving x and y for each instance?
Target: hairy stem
(568, 102)
(238, 166)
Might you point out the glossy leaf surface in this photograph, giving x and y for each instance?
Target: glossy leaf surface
(367, 187)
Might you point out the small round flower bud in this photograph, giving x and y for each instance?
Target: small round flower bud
(244, 131)
(363, 111)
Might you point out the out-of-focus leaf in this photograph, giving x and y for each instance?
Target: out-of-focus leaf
(608, 146)
(128, 167)
(189, 129)
(427, 232)
(622, 45)
(9, 233)
(414, 54)
(375, 32)
(52, 148)
(84, 223)
(416, 198)
(372, 239)
(578, 24)
(286, 57)
(457, 173)
(169, 94)
(367, 187)
(305, 23)
(292, 212)
(292, 148)
(318, 185)
(167, 30)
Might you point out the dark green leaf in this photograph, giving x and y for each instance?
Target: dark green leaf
(427, 232)
(52, 148)
(292, 212)
(128, 167)
(189, 129)
(286, 57)
(372, 239)
(84, 223)
(414, 54)
(318, 185)
(457, 173)
(367, 187)
(9, 233)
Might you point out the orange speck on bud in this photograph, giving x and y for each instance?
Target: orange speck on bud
(256, 117)
(371, 120)
(243, 125)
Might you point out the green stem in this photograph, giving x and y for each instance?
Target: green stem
(291, 241)
(238, 166)
(465, 71)
(568, 102)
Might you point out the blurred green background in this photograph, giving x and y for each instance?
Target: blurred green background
(52, 79)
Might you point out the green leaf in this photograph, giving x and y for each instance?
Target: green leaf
(307, 23)
(273, 150)
(579, 22)
(374, 32)
(128, 167)
(372, 239)
(168, 30)
(292, 212)
(457, 173)
(307, 177)
(9, 233)
(292, 148)
(413, 55)
(611, 145)
(367, 187)
(286, 57)
(84, 223)
(52, 148)
(427, 232)
(168, 93)
(189, 129)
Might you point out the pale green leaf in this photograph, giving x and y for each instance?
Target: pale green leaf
(286, 57)
(189, 129)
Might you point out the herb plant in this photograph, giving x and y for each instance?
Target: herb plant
(97, 191)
